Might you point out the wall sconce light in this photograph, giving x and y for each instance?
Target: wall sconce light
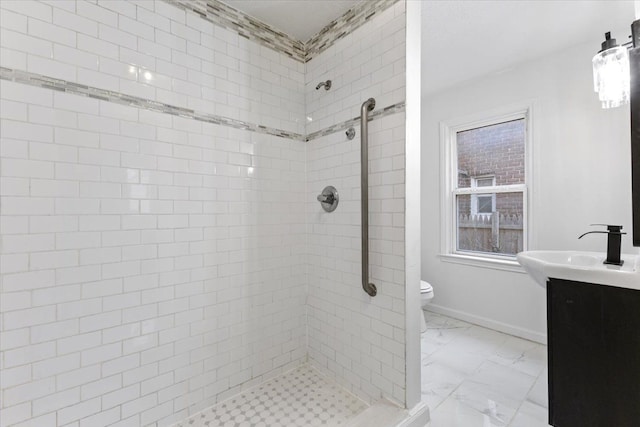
(611, 76)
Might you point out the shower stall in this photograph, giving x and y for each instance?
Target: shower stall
(164, 258)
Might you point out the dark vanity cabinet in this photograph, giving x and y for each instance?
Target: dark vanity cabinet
(594, 355)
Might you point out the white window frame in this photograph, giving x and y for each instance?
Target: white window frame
(474, 197)
(449, 189)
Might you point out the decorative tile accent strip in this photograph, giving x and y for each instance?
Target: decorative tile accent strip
(355, 17)
(33, 79)
(376, 114)
(251, 28)
(246, 26)
(39, 80)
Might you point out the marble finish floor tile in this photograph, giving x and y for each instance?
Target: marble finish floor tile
(530, 415)
(525, 356)
(453, 413)
(300, 397)
(476, 377)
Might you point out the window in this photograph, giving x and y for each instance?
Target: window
(486, 196)
(483, 204)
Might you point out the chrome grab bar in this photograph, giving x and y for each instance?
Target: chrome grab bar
(367, 106)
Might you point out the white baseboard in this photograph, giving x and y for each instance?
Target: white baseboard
(489, 323)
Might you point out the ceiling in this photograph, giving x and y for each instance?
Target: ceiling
(298, 18)
(464, 39)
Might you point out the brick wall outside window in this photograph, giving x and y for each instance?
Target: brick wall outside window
(495, 150)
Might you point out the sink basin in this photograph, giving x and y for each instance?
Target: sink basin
(582, 267)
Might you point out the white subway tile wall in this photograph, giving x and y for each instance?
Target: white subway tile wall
(160, 265)
(357, 339)
(153, 265)
(367, 63)
(157, 51)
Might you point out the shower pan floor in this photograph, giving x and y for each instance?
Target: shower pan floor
(300, 397)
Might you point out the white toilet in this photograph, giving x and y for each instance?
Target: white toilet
(426, 295)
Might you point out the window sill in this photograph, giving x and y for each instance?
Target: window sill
(483, 262)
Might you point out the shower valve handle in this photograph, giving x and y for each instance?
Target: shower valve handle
(328, 198)
(325, 198)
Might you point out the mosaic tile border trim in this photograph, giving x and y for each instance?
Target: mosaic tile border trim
(253, 29)
(344, 25)
(46, 82)
(376, 114)
(39, 80)
(246, 26)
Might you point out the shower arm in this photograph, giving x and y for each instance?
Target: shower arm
(367, 106)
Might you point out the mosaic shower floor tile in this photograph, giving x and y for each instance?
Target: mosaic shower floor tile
(301, 397)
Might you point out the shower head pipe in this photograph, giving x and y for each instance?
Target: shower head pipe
(327, 85)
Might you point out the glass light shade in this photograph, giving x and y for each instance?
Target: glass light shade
(611, 76)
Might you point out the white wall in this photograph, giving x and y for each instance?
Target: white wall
(581, 175)
(412, 206)
(357, 339)
(367, 63)
(151, 264)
